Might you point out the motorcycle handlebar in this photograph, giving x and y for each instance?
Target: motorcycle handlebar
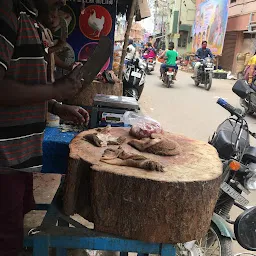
(228, 107)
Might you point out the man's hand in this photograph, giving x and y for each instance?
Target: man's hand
(76, 114)
(68, 86)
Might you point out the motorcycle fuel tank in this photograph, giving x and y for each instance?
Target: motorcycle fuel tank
(226, 136)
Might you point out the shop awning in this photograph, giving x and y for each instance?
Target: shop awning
(123, 7)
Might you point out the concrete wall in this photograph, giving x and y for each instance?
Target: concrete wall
(241, 7)
(181, 12)
(248, 46)
(238, 23)
(187, 12)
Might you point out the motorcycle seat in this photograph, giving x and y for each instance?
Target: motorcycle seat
(170, 67)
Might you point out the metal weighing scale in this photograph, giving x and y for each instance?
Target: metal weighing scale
(109, 110)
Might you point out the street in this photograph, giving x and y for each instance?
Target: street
(191, 111)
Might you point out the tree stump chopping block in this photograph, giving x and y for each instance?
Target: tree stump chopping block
(175, 206)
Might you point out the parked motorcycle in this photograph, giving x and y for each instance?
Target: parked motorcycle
(205, 72)
(134, 78)
(249, 103)
(168, 76)
(150, 65)
(232, 143)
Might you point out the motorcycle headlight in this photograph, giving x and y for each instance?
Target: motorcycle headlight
(250, 182)
(209, 65)
(142, 65)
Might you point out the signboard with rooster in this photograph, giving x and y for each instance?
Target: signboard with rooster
(86, 20)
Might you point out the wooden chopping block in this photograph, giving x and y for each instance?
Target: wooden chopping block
(171, 207)
(87, 94)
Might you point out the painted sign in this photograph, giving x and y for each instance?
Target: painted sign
(86, 23)
(210, 25)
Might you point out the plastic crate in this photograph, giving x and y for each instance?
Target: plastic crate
(220, 75)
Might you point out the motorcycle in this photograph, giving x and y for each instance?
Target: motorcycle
(150, 65)
(232, 143)
(134, 78)
(168, 76)
(249, 103)
(205, 72)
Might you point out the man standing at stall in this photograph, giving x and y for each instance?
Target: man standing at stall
(23, 106)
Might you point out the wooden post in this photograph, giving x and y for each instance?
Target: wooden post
(217, 62)
(126, 37)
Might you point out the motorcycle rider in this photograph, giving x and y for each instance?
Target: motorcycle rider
(131, 51)
(150, 52)
(171, 57)
(250, 70)
(201, 54)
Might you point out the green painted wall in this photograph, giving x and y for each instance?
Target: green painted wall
(175, 22)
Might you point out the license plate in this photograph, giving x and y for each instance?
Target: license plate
(170, 73)
(234, 194)
(209, 69)
(136, 74)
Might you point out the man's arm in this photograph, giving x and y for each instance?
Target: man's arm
(61, 64)
(162, 55)
(14, 93)
(210, 53)
(198, 53)
(251, 71)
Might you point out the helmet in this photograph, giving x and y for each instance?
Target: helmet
(130, 41)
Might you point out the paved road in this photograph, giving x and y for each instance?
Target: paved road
(190, 110)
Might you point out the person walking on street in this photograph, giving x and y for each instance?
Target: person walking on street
(250, 70)
(24, 100)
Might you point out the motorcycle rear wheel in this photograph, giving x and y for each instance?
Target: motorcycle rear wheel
(168, 82)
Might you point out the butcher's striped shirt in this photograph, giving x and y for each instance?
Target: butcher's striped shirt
(22, 55)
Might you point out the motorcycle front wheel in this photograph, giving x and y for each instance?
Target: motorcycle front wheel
(208, 83)
(131, 92)
(213, 244)
(197, 82)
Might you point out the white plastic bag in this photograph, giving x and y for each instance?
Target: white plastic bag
(142, 126)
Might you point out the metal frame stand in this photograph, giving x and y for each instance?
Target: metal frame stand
(62, 232)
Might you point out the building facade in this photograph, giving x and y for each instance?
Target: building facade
(120, 28)
(137, 32)
(181, 16)
(241, 32)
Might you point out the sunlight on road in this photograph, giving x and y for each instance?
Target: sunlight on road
(192, 111)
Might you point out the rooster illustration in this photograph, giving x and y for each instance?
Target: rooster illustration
(95, 23)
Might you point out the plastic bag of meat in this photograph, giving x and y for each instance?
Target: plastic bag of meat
(142, 126)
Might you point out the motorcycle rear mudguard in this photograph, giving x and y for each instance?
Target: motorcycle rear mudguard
(223, 226)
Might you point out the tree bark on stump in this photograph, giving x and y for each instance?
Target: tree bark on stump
(171, 207)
